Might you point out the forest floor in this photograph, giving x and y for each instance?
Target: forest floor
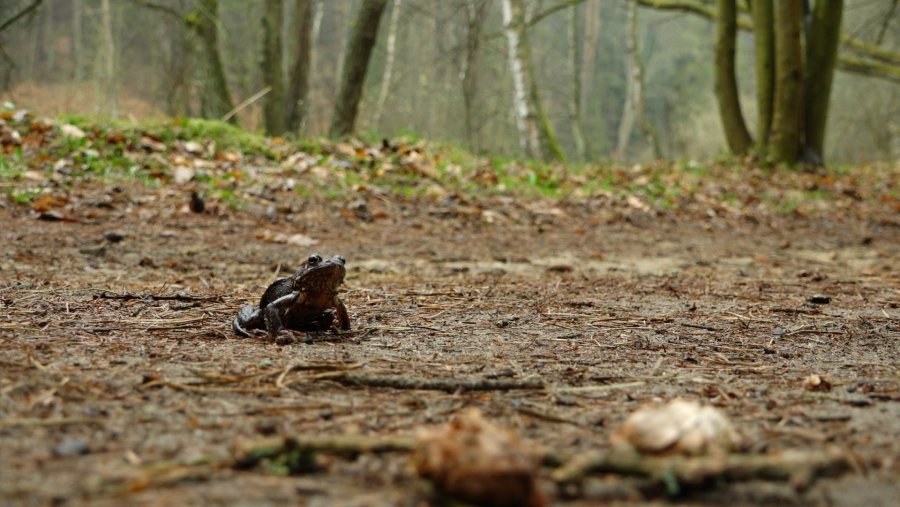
(121, 381)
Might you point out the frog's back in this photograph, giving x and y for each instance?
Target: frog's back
(279, 288)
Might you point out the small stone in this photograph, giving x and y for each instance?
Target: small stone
(114, 236)
(71, 447)
(819, 299)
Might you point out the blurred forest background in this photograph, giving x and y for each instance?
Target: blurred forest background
(439, 70)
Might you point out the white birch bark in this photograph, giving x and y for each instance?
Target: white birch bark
(389, 61)
(525, 120)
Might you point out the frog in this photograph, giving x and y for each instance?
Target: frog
(305, 301)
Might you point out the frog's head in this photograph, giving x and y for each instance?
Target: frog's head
(320, 274)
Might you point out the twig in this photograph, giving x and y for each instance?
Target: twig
(700, 326)
(156, 297)
(249, 453)
(447, 385)
(201, 389)
(800, 467)
(545, 413)
(53, 421)
(604, 387)
(21, 14)
(240, 107)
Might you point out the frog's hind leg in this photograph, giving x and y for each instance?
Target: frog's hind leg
(248, 317)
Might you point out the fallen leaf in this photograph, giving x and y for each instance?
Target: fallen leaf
(287, 239)
(71, 132)
(679, 427)
(182, 174)
(816, 383)
(479, 463)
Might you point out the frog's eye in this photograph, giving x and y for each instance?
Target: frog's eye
(314, 259)
(341, 260)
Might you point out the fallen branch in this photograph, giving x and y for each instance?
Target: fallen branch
(801, 468)
(30, 422)
(447, 385)
(156, 297)
(249, 453)
(199, 388)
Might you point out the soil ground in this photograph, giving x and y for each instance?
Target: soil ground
(98, 389)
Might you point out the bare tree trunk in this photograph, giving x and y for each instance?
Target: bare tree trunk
(764, 35)
(634, 101)
(315, 66)
(356, 63)
(575, 55)
(298, 86)
(77, 41)
(273, 103)
(109, 104)
(475, 13)
(591, 44)
(787, 115)
(389, 61)
(215, 100)
(535, 134)
(736, 133)
(821, 56)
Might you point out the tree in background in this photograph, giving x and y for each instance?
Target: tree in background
(787, 110)
(536, 135)
(476, 11)
(821, 60)
(215, 99)
(356, 64)
(298, 85)
(274, 111)
(736, 133)
(793, 93)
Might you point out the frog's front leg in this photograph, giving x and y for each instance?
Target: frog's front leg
(248, 317)
(274, 311)
(342, 315)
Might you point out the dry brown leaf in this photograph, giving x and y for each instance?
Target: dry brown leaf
(477, 462)
(816, 382)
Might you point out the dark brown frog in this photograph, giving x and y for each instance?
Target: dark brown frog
(304, 301)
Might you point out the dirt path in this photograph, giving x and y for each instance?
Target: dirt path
(629, 305)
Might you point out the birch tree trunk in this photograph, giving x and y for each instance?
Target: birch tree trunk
(298, 86)
(764, 36)
(273, 103)
(787, 114)
(821, 57)
(475, 14)
(575, 55)
(356, 63)
(389, 61)
(736, 133)
(535, 135)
